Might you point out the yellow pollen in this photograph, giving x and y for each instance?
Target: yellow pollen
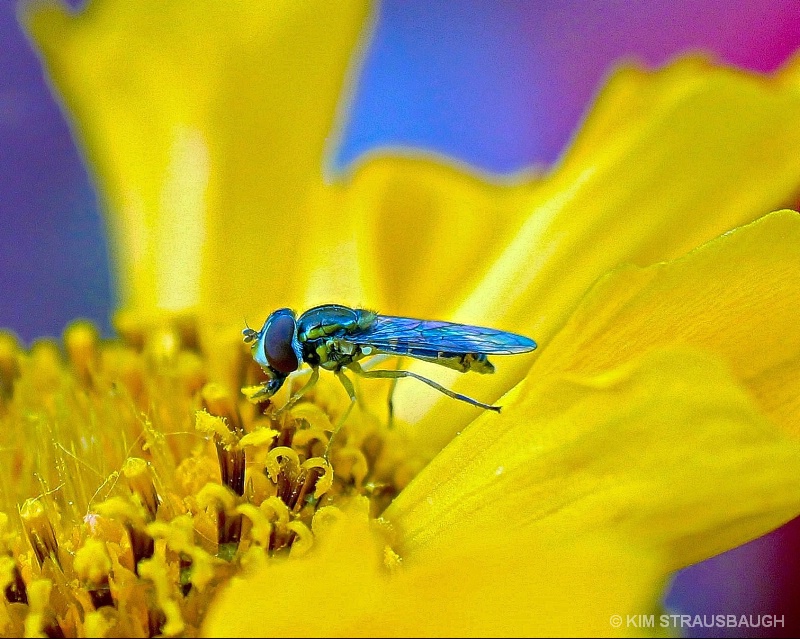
(134, 488)
(81, 342)
(39, 599)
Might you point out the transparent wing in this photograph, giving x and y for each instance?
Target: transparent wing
(407, 336)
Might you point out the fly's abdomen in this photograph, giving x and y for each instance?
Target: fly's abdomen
(477, 362)
(461, 362)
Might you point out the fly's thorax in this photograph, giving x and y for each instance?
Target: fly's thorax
(332, 320)
(345, 348)
(323, 321)
(332, 353)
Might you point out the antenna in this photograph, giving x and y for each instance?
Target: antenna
(248, 334)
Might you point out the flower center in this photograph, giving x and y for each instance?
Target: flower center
(132, 487)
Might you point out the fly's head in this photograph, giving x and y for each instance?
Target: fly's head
(276, 347)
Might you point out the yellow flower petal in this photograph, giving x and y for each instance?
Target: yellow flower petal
(211, 162)
(737, 296)
(505, 584)
(670, 160)
(668, 449)
(428, 228)
(207, 124)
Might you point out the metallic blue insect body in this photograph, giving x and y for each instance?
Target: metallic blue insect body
(336, 337)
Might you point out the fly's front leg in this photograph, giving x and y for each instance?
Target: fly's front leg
(299, 394)
(351, 392)
(261, 394)
(397, 374)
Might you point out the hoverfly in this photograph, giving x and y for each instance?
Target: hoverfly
(336, 337)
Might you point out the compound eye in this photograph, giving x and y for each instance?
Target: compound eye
(278, 344)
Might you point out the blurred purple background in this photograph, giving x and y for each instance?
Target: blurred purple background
(499, 85)
(502, 85)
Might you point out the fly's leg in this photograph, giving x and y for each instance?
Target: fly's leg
(299, 394)
(268, 388)
(356, 368)
(262, 394)
(351, 392)
(390, 402)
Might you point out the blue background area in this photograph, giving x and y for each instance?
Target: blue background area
(499, 85)
(502, 85)
(53, 256)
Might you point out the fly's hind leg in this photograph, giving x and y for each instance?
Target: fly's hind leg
(398, 374)
(390, 401)
(351, 392)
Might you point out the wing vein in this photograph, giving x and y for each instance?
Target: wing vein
(404, 334)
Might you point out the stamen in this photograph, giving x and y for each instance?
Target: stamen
(231, 460)
(97, 624)
(278, 514)
(260, 528)
(229, 522)
(11, 581)
(259, 438)
(315, 474)
(147, 520)
(301, 538)
(138, 478)
(45, 367)
(156, 570)
(40, 620)
(81, 341)
(9, 366)
(40, 531)
(93, 567)
(283, 466)
(351, 463)
(133, 518)
(287, 432)
(196, 564)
